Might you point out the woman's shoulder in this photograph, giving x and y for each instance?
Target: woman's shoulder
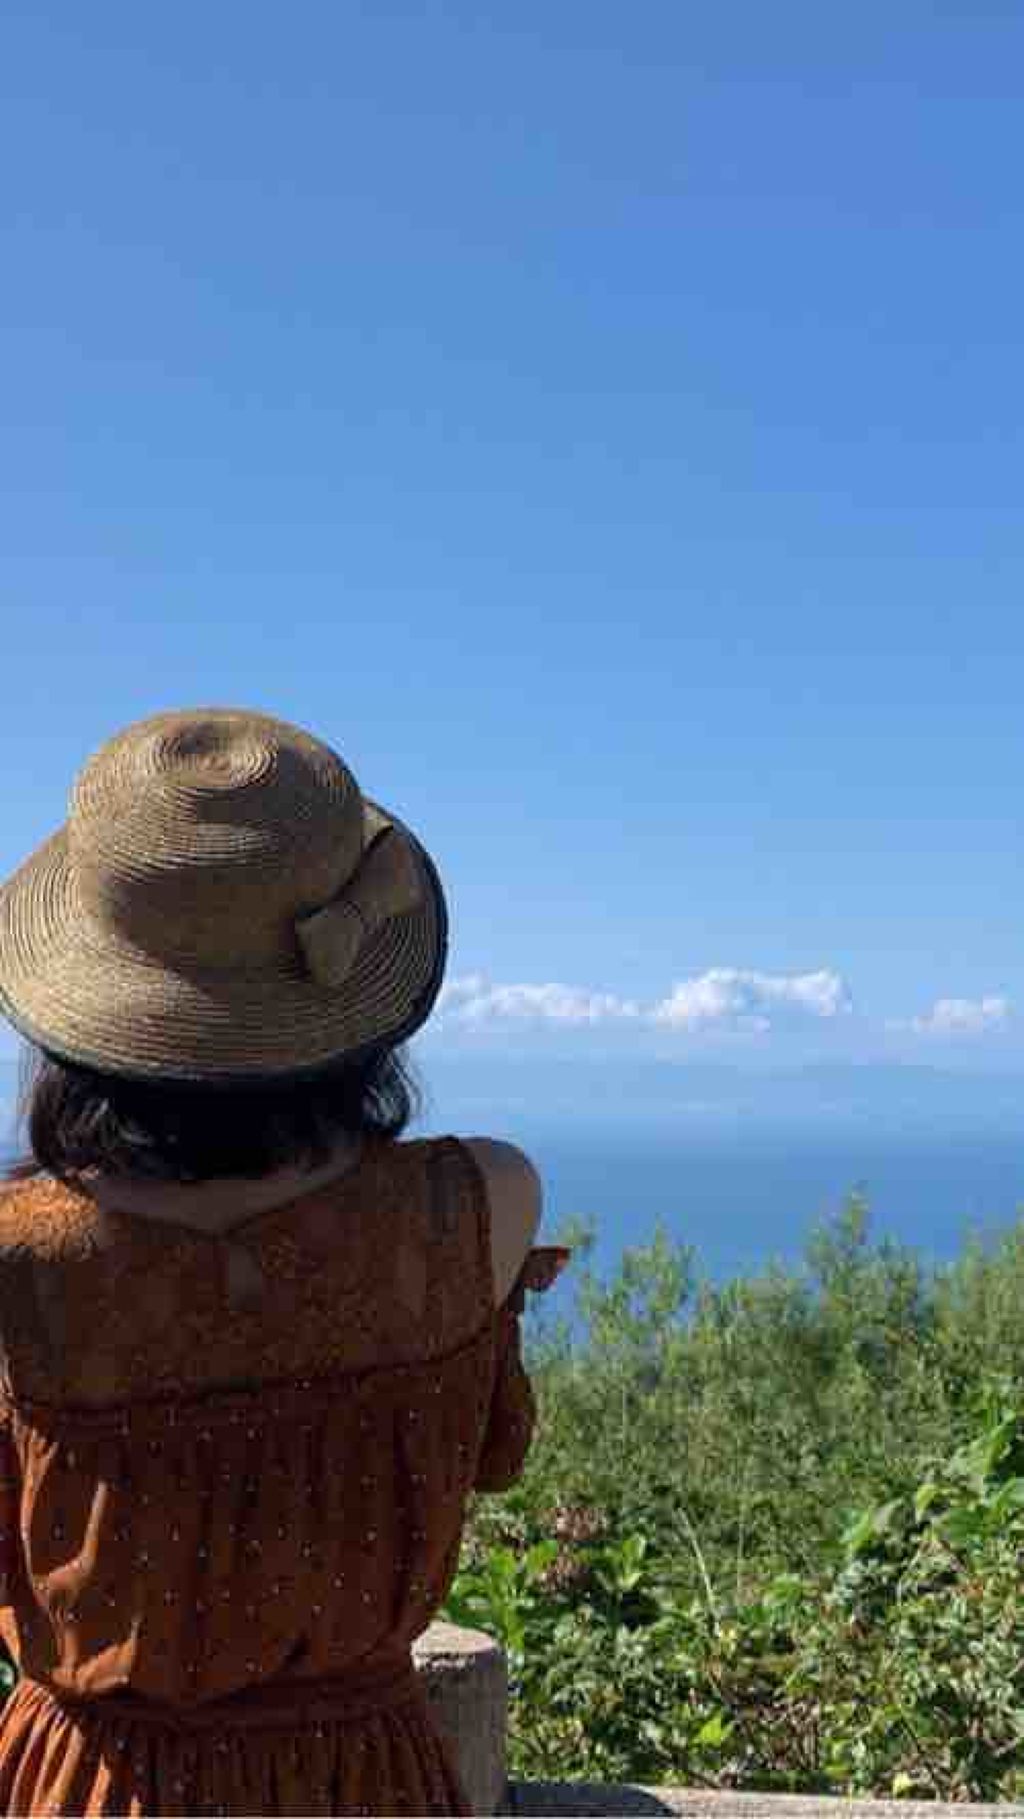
(512, 1189)
(515, 1203)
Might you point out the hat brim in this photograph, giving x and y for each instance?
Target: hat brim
(78, 992)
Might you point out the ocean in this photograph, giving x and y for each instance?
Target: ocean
(741, 1199)
(742, 1164)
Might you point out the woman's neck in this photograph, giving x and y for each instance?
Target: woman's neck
(218, 1205)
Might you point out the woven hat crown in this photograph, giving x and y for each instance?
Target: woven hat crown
(204, 837)
(222, 904)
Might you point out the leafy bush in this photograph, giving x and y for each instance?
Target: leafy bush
(771, 1534)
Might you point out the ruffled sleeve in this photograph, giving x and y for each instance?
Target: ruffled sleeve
(513, 1411)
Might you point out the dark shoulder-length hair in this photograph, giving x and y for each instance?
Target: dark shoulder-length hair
(74, 1120)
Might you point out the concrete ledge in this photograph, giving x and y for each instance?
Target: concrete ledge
(579, 1798)
(463, 1673)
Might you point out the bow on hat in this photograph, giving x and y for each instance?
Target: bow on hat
(387, 882)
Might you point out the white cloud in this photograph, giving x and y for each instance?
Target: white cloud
(731, 997)
(723, 998)
(960, 1017)
(475, 1000)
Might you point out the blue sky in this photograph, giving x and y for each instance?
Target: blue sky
(604, 426)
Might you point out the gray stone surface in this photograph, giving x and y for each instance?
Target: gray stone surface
(578, 1798)
(464, 1675)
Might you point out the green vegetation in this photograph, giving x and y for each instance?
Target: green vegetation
(771, 1534)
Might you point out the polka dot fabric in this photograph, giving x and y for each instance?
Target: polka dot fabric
(222, 1525)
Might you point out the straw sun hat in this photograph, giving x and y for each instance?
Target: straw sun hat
(223, 905)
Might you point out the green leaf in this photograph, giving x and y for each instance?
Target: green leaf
(925, 1496)
(716, 1729)
(860, 1532)
(961, 1525)
(884, 1518)
(785, 1589)
(1009, 1497)
(500, 1565)
(539, 1557)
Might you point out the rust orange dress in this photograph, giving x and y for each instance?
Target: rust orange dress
(234, 1477)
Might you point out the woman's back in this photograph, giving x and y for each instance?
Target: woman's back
(240, 1466)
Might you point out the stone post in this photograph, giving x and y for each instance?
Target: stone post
(464, 1677)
